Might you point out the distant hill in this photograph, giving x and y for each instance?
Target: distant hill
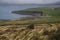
(57, 3)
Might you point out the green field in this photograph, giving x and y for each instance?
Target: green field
(48, 11)
(53, 11)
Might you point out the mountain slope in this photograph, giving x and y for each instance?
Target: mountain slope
(57, 3)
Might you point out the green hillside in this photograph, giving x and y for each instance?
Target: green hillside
(54, 11)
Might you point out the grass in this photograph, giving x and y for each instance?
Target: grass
(41, 20)
(46, 10)
(41, 32)
(35, 21)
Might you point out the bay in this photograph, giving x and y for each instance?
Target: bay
(5, 11)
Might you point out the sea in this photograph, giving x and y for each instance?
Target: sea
(6, 11)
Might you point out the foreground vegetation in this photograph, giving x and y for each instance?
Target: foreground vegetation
(23, 32)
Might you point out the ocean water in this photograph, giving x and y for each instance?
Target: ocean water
(5, 11)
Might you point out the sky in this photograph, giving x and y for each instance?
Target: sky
(28, 1)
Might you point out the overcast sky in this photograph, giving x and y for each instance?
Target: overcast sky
(28, 1)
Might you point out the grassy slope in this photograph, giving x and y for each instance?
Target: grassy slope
(40, 32)
(46, 10)
(49, 11)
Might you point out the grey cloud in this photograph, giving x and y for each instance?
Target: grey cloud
(28, 1)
